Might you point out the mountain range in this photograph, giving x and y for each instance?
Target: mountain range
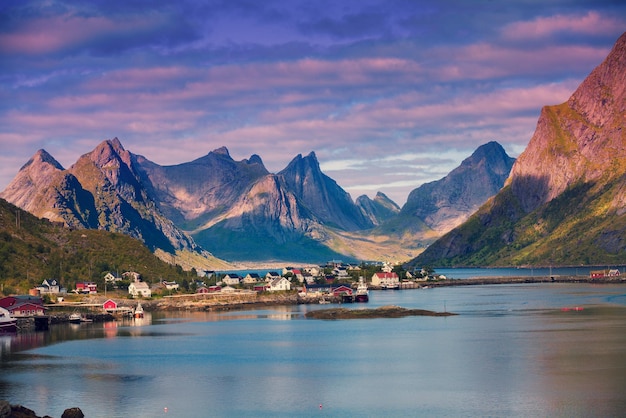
(215, 206)
(565, 199)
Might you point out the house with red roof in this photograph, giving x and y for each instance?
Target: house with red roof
(386, 280)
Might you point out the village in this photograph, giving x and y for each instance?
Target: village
(120, 295)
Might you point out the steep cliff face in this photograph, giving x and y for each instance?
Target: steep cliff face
(579, 140)
(564, 201)
(322, 195)
(194, 192)
(102, 190)
(268, 222)
(446, 203)
(379, 209)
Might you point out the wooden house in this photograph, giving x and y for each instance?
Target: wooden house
(110, 305)
(279, 284)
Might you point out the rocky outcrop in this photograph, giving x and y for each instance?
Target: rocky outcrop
(18, 411)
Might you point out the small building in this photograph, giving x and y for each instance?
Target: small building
(110, 305)
(261, 287)
(599, 274)
(26, 309)
(139, 289)
(8, 301)
(228, 289)
(279, 284)
(86, 287)
(342, 290)
(214, 289)
(110, 278)
(131, 276)
(170, 285)
(202, 289)
(252, 278)
(50, 286)
(231, 279)
(271, 275)
(384, 279)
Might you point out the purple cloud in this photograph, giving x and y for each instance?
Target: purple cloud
(410, 88)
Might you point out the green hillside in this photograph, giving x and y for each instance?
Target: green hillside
(33, 249)
(581, 226)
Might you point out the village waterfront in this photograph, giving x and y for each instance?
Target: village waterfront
(530, 349)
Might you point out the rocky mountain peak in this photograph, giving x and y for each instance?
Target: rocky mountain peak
(221, 151)
(42, 157)
(446, 203)
(575, 141)
(564, 201)
(255, 159)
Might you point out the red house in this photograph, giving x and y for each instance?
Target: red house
(26, 309)
(110, 305)
(342, 290)
(86, 287)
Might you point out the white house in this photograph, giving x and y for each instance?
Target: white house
(271, 275)
(170, 285)
(252, 278)
(139, 289)
(49, 286)
(384, 279)
(387, 267)
(231, 279)
(280, 284)
(110, 278)
(132, 276)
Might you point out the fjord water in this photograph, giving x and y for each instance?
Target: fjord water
(513, 350)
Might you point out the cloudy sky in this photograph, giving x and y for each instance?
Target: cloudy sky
(388, 93)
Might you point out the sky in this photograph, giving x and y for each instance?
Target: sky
(389, 94)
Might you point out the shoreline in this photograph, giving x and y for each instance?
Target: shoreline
(249, 299)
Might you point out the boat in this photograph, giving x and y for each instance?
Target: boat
(138, 311)
(362, 294)
(75, 318)
(323, 301)
(7, 322)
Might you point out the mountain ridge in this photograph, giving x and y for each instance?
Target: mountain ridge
(565, 199)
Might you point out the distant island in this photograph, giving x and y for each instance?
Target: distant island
(382, 312)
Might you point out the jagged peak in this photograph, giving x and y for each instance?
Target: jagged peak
(299, 161)
(255, 159)
(116, 144)
(604, 87)
(42, 156)
(221, 151)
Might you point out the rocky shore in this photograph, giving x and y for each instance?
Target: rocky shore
(18, 411)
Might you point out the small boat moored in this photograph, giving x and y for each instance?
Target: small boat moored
(362, 294)
(7, 322)
(75, 318)
(138, 311)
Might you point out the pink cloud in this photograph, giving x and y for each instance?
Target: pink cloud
(48, 35)
(591, 23)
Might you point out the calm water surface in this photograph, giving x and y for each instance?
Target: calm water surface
(514, 350)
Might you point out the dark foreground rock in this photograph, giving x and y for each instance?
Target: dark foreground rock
(18, 411)
(382, 312)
